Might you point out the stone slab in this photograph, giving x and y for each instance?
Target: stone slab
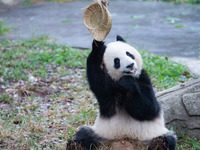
(181, 106)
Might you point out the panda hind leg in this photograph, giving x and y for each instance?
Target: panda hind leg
(84, 139)
(165, 142)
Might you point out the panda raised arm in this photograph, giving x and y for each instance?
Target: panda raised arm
(100, 82)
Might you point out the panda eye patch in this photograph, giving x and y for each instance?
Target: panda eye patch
(130, 55)
(117, 63)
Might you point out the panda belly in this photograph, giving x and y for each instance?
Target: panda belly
(121, 125)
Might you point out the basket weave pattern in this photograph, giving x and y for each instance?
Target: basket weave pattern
(98, 20)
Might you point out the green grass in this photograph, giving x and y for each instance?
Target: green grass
(164, 73)
(4, 29)
(19, 58)
(44, 94)
(27, 3)
(5, 98)
(187, 143)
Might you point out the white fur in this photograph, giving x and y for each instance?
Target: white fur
(118, 49)
(122, 125)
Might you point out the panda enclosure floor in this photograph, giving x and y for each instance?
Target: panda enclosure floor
(161, 28)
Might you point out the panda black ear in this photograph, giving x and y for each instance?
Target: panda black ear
(119, 38)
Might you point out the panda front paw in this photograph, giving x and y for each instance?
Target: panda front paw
(127, 83)
(159, 143)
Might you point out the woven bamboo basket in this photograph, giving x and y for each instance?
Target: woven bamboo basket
(98, 20)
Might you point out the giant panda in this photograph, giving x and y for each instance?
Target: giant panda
(127, 104)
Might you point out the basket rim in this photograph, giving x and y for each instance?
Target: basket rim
(103, 10)
(99, 32)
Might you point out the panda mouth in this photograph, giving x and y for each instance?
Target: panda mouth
(133, 71)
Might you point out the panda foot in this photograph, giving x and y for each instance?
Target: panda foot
(159, 143)
(72, 145)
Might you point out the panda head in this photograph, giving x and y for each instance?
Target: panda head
(121, 59)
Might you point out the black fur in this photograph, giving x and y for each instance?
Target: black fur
(171, 140)
(119, 38)
(136, 96)
(130, 55)
(84, 139)
(166, 142)
(100, 83)
(139, 101)
(117, 63)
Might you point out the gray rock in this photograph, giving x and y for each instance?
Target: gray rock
(191, 102)
(181, 106)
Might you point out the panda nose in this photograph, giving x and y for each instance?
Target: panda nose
(130, 66)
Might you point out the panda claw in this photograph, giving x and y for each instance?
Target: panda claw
(158, 143)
